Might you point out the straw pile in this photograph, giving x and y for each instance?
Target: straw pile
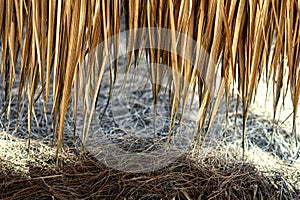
(207, 177)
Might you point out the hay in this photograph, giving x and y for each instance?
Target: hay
(208, 177)
(16, 158)
(211, 175)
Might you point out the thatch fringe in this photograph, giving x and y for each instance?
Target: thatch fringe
(248, 38)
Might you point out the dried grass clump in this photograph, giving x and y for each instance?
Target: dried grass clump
(17, 159)
(208, 177)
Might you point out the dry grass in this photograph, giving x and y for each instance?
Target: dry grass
(53, 38)
(16, 158)
(217, 172)
(211, 175)
(56, 42)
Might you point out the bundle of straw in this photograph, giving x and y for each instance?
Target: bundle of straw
(247, 38)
